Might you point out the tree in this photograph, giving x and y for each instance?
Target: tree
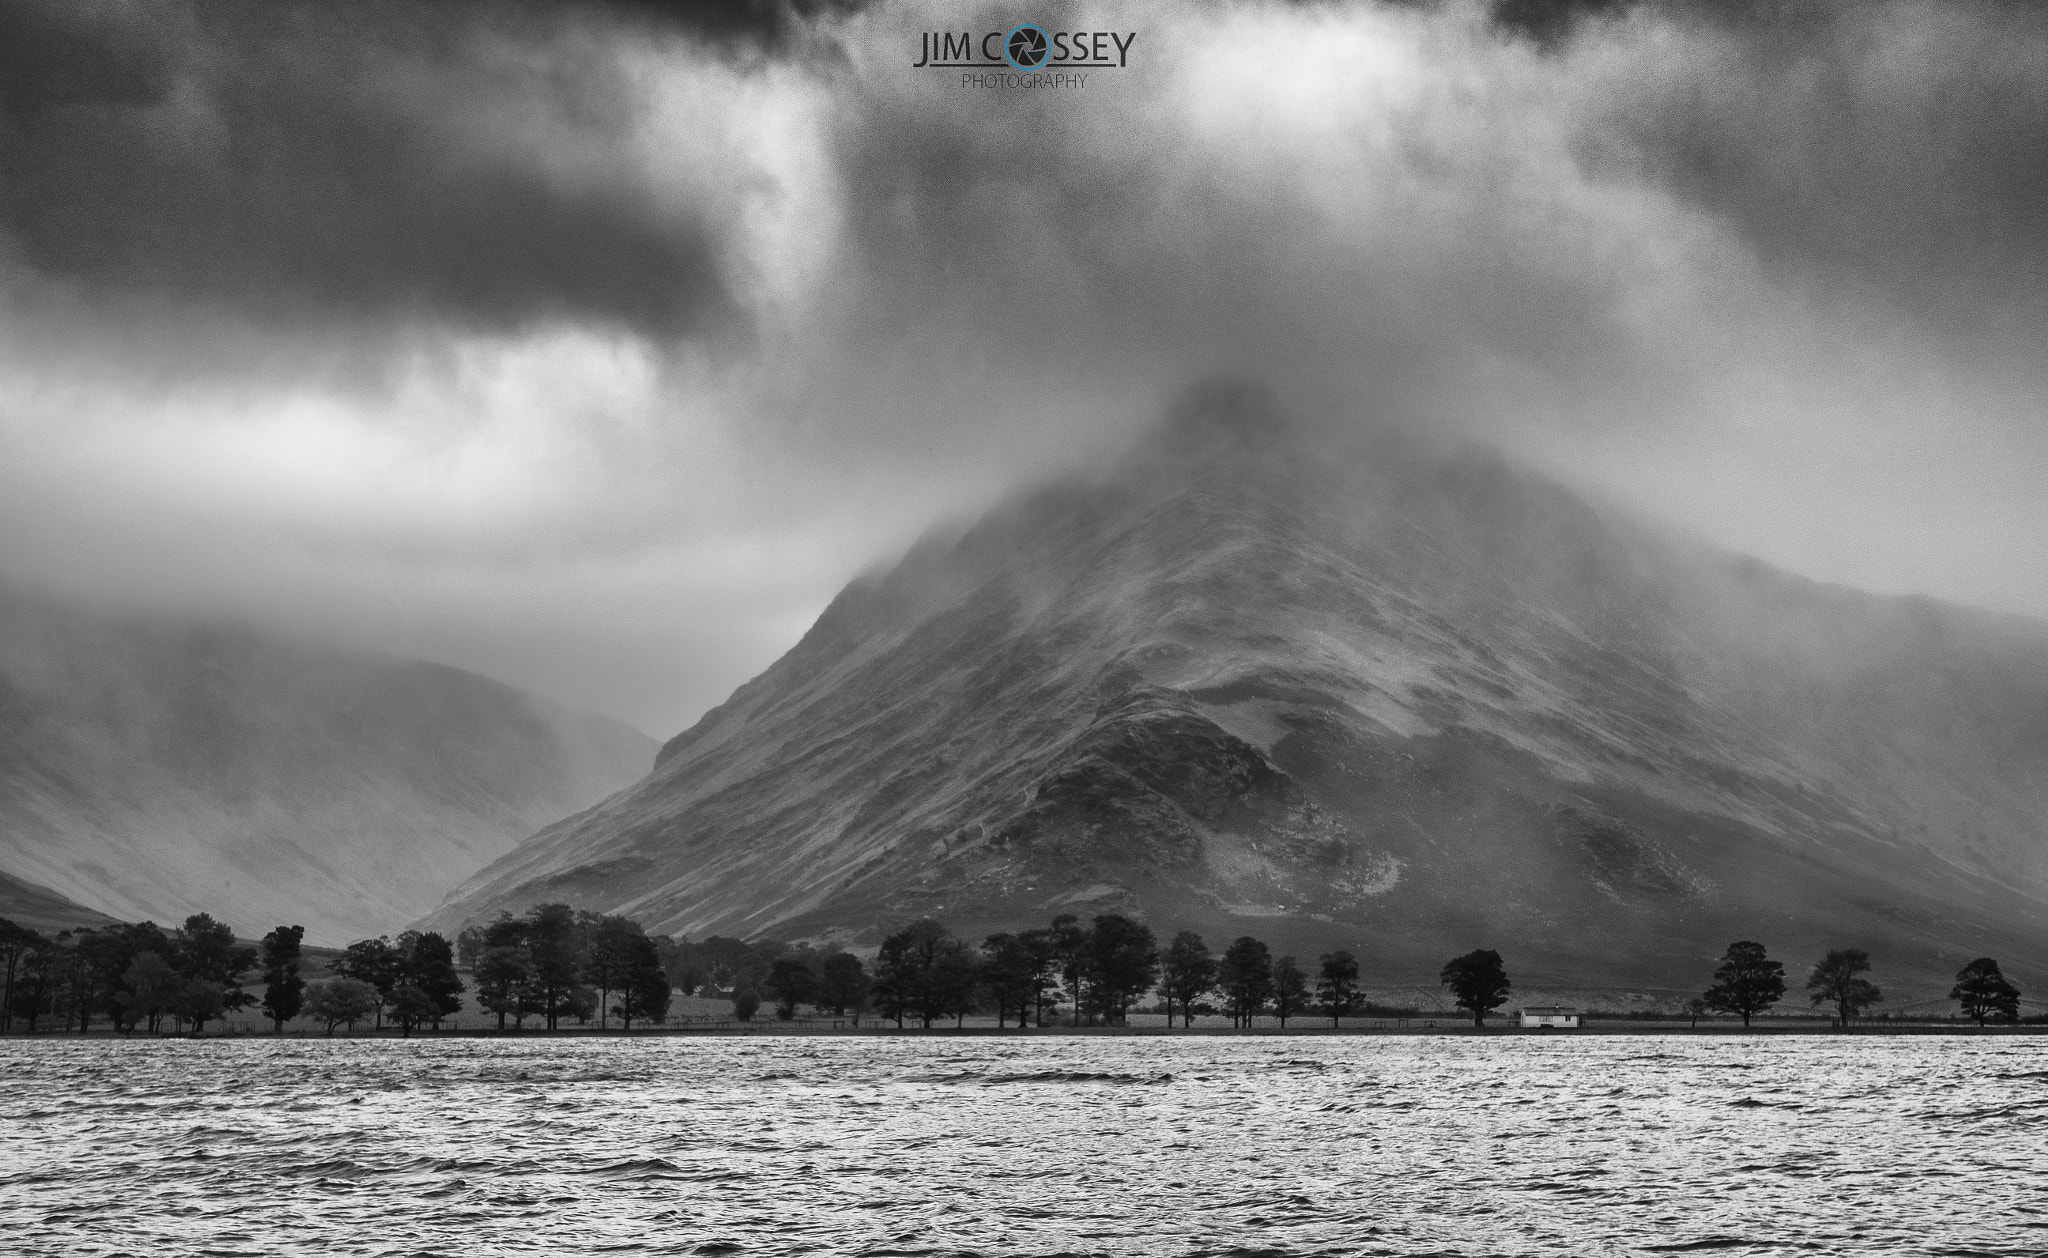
(1069, 942)
(473, 942)
(923, 969)
(958, 980)
(15, 942)
(206, 949)
(611, 953)
(115, 952)
(1478, 982)
(199, 1001)
(1246, 978)
(410, 1006)
(1010, 972)
(551, 947)
(376, 962)
(1187, 972)
(501, 981)
(1984, 993)
(338, 1000)
(40, 976)
(283, 990)
(1044, 950)
(427, 962)
(842, 984)
(1694, 1008)
(1122, 964)
(152, 986)
(1747, 982)
(644, 988)
(1835, 981)
(1290, 989)
(1337, 984)
(745, 1003)
(791, 982)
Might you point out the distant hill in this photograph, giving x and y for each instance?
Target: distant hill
(1404, 702)
(152, 768)
(39, 908)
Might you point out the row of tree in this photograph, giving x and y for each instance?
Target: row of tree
(1098, 970)
(137, 974)
(1748, 982)
(555, 962)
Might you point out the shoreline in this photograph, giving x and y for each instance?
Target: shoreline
(774, 1030)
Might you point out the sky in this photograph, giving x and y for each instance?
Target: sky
(595, 346)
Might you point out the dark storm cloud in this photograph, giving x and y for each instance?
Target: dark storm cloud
(291, 159)
(423, 313)
(758, 23)
(1885, 150)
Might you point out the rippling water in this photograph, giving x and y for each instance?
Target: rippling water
(1181, 1146)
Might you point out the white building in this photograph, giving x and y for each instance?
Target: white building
(1550, 1015)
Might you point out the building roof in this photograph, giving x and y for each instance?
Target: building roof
(1551, 1010)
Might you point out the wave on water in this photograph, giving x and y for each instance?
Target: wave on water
(1141, 1148)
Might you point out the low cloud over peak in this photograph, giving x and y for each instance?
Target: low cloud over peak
(595, 345)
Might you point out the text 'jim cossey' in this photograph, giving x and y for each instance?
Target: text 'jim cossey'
(1025, 47)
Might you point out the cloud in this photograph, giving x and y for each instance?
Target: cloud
(562, 341)
(317, 162)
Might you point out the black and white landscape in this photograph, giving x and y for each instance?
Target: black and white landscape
(769, 626)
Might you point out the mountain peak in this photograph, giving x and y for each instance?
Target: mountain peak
(1383, 702)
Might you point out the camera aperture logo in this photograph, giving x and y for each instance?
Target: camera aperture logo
(1025, 56)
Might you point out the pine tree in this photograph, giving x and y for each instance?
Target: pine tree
(1011, 974)
(551, 949)
(644, 991)
(1246, 978)
(284, 991)
(1187, 973)
(1290, 989)
(1337, 984)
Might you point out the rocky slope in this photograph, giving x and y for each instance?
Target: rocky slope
(154, 769)
(1404, 703)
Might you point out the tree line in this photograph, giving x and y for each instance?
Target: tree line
(1097, 970)
(134, 975)
(555, 962)
(1748, 982)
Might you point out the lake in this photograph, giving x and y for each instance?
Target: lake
(1610, 1144)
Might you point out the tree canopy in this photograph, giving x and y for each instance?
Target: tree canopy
(1245, 977)
(1478, 982)
(1838, 981)
(1337, 984)
(1747, 982)
(1984, 992)
(1187, 973)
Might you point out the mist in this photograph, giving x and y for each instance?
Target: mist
(596, 348)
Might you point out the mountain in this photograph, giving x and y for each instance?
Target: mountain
(1404, 702)
(152, 768)
(39, 908)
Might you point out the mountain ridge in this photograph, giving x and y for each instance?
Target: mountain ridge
(155, 767)
(1397, 700)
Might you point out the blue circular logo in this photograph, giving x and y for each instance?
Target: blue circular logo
(1027, 46)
